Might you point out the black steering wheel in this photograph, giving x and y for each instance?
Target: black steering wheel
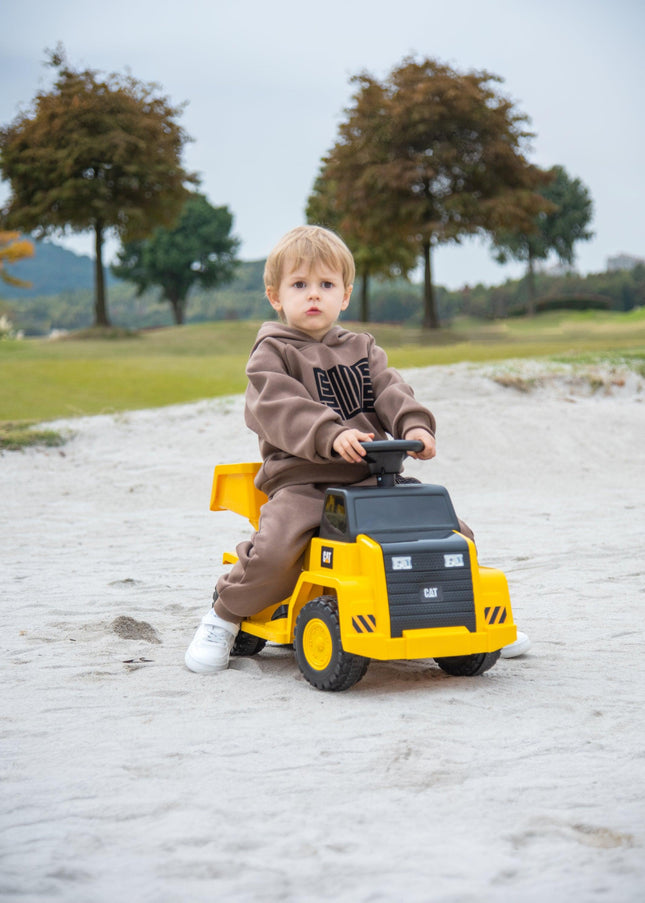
(385, 457)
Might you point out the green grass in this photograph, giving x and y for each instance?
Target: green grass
(18, 436)
(43, 380)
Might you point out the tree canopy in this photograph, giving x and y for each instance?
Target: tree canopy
(198, 250)
(13, 247)
(384, 255)
(555, 229)
(430, 155)
(99, 153)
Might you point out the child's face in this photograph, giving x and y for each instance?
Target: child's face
(310, 298)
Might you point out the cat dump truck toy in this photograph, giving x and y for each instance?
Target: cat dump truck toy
(388, 577)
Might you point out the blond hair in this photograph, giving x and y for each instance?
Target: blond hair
(309, 245)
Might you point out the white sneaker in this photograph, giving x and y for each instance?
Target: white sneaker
(521, 645)
(211, 645)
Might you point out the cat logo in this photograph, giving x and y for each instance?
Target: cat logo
(430, 592)
(326, 557)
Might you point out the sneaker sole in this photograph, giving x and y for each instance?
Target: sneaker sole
(514, 649)
(201, 668)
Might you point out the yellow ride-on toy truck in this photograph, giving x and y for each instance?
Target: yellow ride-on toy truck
(388, 577)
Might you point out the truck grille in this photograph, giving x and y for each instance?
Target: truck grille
(423, 592)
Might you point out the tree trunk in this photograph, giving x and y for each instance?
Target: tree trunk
(430, 318)
(530, 282)
(177, 305)
(365, 301)
(100, 304)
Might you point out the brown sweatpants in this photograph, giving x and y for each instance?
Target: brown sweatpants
(270, 563)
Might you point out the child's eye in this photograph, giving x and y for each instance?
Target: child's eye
(327, 284)
(299, 284)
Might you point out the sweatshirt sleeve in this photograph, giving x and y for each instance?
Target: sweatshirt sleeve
(395, 404)
(279, 409)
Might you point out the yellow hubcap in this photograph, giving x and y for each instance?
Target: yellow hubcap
(317, 644)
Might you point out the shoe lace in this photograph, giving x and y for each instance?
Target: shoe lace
(216, 635)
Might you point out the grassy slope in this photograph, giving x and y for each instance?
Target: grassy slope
(41, 379)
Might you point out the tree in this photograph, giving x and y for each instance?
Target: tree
(431, 155)
(198, 250)
(94, 153)
(374, 255)
(557, 228)
(13, 247)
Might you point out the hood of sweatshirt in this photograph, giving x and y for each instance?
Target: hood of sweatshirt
(274, 329)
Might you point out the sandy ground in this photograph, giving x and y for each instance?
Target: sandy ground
(126, 776)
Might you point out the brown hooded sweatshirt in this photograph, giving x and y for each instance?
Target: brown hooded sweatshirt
(302, 393)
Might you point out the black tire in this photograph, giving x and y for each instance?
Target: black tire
(468, 665)
(319, 651)
(247, 644)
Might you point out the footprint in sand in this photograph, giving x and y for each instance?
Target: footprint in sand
(129, 629)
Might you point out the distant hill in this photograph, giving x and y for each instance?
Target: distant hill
(61, 295)
(51, 271)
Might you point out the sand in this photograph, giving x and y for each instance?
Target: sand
(126, 776)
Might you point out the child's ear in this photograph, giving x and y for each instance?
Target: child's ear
(274, 299)
(346, 297)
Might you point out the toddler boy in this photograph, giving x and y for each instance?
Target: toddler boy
(315, 392)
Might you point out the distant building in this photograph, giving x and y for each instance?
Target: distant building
(623, 262)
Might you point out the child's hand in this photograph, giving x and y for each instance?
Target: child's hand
(429, 445)
(348, 445)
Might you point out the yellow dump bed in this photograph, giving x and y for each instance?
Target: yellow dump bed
(234, 490)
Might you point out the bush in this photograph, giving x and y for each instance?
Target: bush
(566, 302)
(573, 302)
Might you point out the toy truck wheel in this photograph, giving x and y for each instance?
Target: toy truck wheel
(468, 665)
(247, 644)
(319, 651)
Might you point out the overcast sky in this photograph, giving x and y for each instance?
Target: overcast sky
(267, 82)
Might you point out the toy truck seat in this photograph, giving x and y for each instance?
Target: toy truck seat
(234, 490)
